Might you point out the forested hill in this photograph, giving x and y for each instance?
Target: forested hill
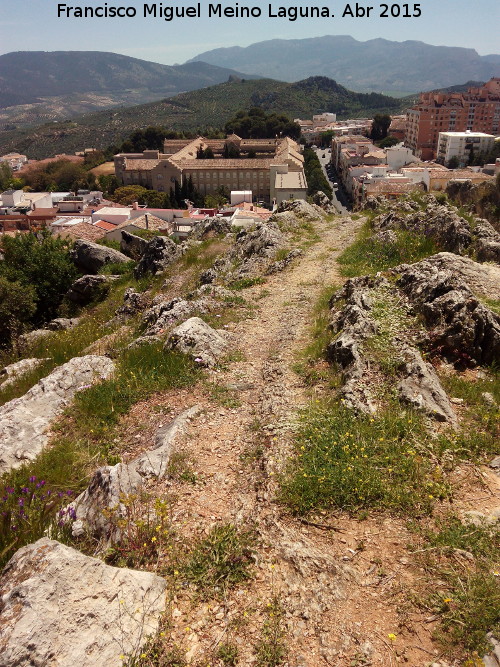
(200, 110)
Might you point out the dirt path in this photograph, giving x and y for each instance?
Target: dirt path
(340, 589)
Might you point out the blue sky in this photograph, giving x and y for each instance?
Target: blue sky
(33, 25)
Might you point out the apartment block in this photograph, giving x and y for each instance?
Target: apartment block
(477, 110)
(462, 146)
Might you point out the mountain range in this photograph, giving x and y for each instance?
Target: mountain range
(377, 64)
(27, 77)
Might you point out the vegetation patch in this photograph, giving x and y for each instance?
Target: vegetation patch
(271, 650)
(368, 255)
(463, 560)
(355, 462)
(220, 561)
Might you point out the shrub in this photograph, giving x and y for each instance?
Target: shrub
(40, 262)
(17, 307)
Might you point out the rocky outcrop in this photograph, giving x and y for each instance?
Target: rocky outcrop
(482, 198)
(421, 389)
(162, 316)
(104, 498)
(356, 324)
(31, 338)
(9, 374)
(92, 257)
(281, 264)
(320, 199)
(210, 227)
(90, 288)
(352, 325)
(461, 328)
(158, 254)
(132, 246)
(133, 302)
(59, 607)
(25, 421)
(63, 323)
(442, 223)
(197, 339)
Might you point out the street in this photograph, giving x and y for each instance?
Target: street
(339, 201)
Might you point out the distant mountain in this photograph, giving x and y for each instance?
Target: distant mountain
(197, 111)
(28, 77)
(378, 64)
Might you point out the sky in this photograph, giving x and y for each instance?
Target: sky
(33, 25)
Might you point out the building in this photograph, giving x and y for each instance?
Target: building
(233, 164)
(477, 110)
(15, 161)
(462, 146)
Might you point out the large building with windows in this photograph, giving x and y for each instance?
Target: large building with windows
(232, 163)
(477, 110)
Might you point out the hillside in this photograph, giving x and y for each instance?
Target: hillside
(28, 77)
(202, 109)
(377, 64)
(295, 465)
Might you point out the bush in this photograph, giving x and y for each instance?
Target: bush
(17, 307)
(42, 263)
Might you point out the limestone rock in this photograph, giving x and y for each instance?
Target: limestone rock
(159, 253)
(89, 288)
(281, 264)
(60, 608)
(133, 302)
(210, 227)
(154, 462)
(463, 329)
(133, 246)
(302, 209)
(164, 315)
(197, 339)
(25, 421)
(63, 323)
(110, 485)
(321, 200)
(27, 340)
(9, 374)
(92, 257)
(421, 389)
(107, 489)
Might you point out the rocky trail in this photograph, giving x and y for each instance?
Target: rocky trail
(324, 589)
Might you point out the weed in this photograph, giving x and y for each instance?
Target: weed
(180, 468)
(228, 654)
(462, 558)
(271, 649)
(368, 255)
(355, 462)
(118, 268)
(223, 395)
(30, 511)
(243, 283)
(219, 561)
(156, 653)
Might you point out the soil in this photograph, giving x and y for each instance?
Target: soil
(344, 584)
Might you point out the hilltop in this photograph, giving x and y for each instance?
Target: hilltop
(267, 446)
(205, 109)
(377, 64)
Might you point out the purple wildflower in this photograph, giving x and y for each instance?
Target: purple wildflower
(33, 478)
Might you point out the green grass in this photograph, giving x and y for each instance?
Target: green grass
(244, 283)
(463, 591)
(271, 650)
(355, 462)
(480, 432)
(367, 256)
(220, 561)
(86, 436)
(309, 359)
(227, 653)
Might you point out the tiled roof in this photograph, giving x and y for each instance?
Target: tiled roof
(140, 165)
(154, 223)
(103, 224)
(82, 230)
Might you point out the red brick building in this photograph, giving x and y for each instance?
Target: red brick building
(477, 110)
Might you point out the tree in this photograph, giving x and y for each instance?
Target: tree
(380, 126)
(17, 307)
(5, 176)
(388, 142)
(128, 194)
(40, 262)
(453, 162)
(256, 124)
(218, 199)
